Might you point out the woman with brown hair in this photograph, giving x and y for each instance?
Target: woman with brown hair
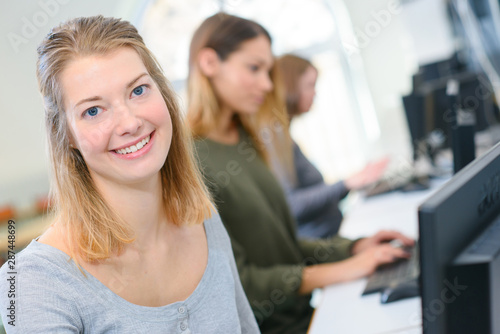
(314, 203)
(233, 100)
(136, 246)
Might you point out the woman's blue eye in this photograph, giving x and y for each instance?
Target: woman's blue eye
(92, 112)
(138, 90)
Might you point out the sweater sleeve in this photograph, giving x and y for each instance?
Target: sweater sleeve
(276, 285)
(333, 249)
(311, 195)
(307, 203)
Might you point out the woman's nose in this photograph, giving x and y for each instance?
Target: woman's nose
(266, 82)
(127, 122)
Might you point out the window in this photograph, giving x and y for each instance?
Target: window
(342, 124)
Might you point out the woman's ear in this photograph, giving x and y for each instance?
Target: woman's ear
(208, 61)
(72, 144)
(71, 140)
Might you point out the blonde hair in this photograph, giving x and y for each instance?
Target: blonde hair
(293, 67)
(95, 231)
(224, 34)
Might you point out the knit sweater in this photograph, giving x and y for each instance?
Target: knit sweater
(269, 257)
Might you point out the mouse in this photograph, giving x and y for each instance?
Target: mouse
(400, 291)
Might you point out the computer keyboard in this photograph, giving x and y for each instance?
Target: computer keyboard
(392, 274)
(405, 184)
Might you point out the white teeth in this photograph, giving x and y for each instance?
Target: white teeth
(134, 148)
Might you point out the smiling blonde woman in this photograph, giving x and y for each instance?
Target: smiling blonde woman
(136, 246)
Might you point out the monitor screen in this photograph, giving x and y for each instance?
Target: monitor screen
(448, 221)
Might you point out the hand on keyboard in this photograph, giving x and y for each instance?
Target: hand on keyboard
(392, 275)
(396, 243)
(379, 238)
(365, 263)
(372, 252)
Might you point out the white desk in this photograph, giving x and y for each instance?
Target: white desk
(342, 309)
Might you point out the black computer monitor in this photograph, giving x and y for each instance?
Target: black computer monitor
(414, 106)
(475, 94)
(431, 113)
(449, 221)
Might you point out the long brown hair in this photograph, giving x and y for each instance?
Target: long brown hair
(95, 230)
(224, 34)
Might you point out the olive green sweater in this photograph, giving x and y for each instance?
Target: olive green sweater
(269, 257)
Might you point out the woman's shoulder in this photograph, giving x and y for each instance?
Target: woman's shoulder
(217, 235)
(211, 156)
(37, 277)
(38, 260)
(226, 142)
(215, 229)
(44, 262)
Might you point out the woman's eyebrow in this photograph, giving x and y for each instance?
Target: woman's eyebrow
(131, 83)
(97, 98)
(89, 99)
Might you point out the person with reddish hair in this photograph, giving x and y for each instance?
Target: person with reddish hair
(314, 203)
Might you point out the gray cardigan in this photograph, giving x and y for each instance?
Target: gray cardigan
(53, 296)
(313, 202)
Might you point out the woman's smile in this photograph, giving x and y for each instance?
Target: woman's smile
(135, 150)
